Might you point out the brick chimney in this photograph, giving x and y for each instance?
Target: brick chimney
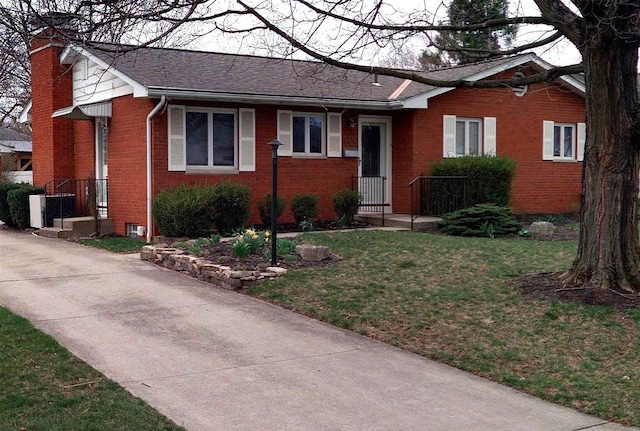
(51, 89)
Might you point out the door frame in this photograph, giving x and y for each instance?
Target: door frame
(101, 146)
(385, 170)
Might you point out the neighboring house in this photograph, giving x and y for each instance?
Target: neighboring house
(154, 118)
(15, 156)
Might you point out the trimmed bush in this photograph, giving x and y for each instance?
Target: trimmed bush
(304, 207)
(231, 205)
(489, 178)
(5, 210)
(18, 201)
(186, 210)
(480, 220)
(345, 204)
(264, 207)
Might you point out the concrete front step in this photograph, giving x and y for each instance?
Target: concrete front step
(397, 220)
(75, 227)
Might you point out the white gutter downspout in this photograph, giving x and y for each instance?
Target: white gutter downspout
(156, 109)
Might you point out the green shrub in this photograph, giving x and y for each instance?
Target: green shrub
(5, 211)
(345, 204)
(489, 178)
(231, 205)
(304, 207)
(186, 210)
(264, 207)
(18, 202)
(480, 220)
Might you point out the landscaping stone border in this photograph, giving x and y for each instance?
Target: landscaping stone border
(202, 269)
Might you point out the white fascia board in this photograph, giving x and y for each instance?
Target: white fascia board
(71, 53)
(25, 115)
(259, 99)
(421, 101)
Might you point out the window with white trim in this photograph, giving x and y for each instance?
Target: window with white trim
(468, 133)
(563, 141)
(468, 136)
(211, 138)
(308, 133)
(202, 140)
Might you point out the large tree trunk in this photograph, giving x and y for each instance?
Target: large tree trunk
(608, 253)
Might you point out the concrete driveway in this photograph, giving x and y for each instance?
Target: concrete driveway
(215, 360)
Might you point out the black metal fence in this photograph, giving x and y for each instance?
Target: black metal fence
(373, 193)
(75, 198)
(438, 195)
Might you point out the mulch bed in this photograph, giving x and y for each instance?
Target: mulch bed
(550, 286)
(222, 254)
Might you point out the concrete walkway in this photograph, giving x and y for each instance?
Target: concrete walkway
(216, 360)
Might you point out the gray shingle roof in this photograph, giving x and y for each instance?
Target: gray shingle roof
(12, 141)
(252, 75)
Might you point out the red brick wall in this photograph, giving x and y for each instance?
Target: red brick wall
(53, 139)
(540, 186)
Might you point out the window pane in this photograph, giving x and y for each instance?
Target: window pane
(197, 140)
(223, 139)
(474, 138)
(460, 137)
(315, 135)
(298, 134)
(557, 132)
(568, 141)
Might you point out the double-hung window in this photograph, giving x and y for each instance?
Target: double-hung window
(211, 138)
(468, 136)
(563, 141)
(308, 133)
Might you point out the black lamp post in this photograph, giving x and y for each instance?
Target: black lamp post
(274, 198)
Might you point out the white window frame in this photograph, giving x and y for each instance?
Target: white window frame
(210, 112)
(486, 135)
(307, 137)
(578, 138)
(467, 122)
(560, 143)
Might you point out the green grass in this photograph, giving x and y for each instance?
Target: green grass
(45, 388)
(115, 244)
(452, 299)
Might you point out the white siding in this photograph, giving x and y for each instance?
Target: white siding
(99, 84)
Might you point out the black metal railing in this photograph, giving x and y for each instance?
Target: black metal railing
(437, 195)
(373, 193)
(73, 197)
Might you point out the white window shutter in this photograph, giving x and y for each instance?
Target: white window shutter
(490, 136)
(285, 133)
(547, 140)
(177, 138)
(334, 135)
(247, 140)
(582, 137)
(449, 136)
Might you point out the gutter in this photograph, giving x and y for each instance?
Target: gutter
(154, 111)
(259, 99)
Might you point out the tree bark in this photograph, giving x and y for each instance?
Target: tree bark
(608, 251)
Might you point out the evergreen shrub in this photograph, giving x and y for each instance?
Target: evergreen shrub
(304, 207)
(489, 178)
(5, 211)
(231, 205)
(345, 204)
(18, 202)
(480, 220)
(185, 210)
(264, 207)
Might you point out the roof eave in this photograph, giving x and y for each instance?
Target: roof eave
(261, 99)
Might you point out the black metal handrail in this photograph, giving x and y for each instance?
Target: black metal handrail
(437, 195)
(73, 197)
(372, 191)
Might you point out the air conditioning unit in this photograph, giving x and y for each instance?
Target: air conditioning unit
(37, 205)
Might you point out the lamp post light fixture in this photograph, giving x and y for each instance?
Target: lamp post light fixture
(274, 198)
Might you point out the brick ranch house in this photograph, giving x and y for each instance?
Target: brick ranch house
(152, 118)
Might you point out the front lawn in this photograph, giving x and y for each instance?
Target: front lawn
(454, 300)
(45, 388)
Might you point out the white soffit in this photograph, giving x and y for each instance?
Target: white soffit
(84, 112)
